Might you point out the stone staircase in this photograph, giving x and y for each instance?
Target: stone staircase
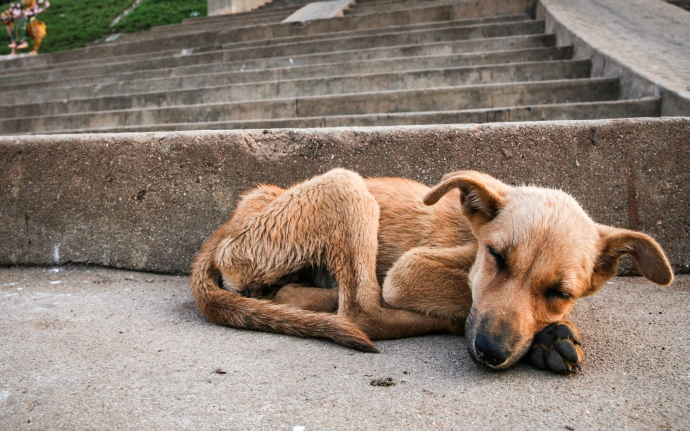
(384, 63)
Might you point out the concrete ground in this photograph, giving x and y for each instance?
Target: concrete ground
(87, 348)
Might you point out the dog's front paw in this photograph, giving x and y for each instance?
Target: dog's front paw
(557, 348)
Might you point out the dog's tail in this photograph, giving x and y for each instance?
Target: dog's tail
(227, 308)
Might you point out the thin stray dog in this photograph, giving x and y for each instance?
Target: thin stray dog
(354, 260)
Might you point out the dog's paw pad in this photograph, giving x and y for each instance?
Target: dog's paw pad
(557, 349)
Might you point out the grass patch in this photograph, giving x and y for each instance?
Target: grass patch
(75, 23)
(152, 13)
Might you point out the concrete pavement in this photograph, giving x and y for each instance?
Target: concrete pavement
(102, 349)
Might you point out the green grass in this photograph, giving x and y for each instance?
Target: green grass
(75, 23)
(152, 13)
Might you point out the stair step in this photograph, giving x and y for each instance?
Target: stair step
(239, 16)
(283, 40)
(178, 79)
(369, 8)
(199, 25)
(214, 37)
(386, 31)
(337, 42)
(387, 62)
(634, 108)
(251, 58)
(435, 99)
(220, 19)
(420, 79)
(181, 42)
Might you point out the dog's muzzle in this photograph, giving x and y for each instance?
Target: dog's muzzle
(490, 352)
(491, 347)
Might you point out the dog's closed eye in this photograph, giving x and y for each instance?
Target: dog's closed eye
(557, 293)
(501, 263)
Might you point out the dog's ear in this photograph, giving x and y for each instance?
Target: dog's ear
(645, 251)
(482, 195)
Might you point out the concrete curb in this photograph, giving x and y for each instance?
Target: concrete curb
(646, 43)
(146, 201)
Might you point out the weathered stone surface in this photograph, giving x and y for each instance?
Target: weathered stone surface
(147, 201)
(319, 10)
(646, 43)
(221, 7)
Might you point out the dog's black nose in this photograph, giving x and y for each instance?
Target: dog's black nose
(490, 352)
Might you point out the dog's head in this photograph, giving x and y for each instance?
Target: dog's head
(538, 252)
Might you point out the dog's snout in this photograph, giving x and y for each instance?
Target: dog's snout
(490, 352)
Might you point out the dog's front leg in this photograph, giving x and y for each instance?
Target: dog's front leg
(434, 282)
(557, 348)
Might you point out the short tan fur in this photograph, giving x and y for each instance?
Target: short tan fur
(354, 260)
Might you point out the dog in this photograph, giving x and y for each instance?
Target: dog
(354, 260)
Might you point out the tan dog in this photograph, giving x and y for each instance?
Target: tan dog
(355, 260)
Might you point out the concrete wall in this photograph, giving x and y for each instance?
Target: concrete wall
(223, 7)
(147, 201)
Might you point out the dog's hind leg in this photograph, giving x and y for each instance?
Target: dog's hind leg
(345, 237)
(330, 221)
